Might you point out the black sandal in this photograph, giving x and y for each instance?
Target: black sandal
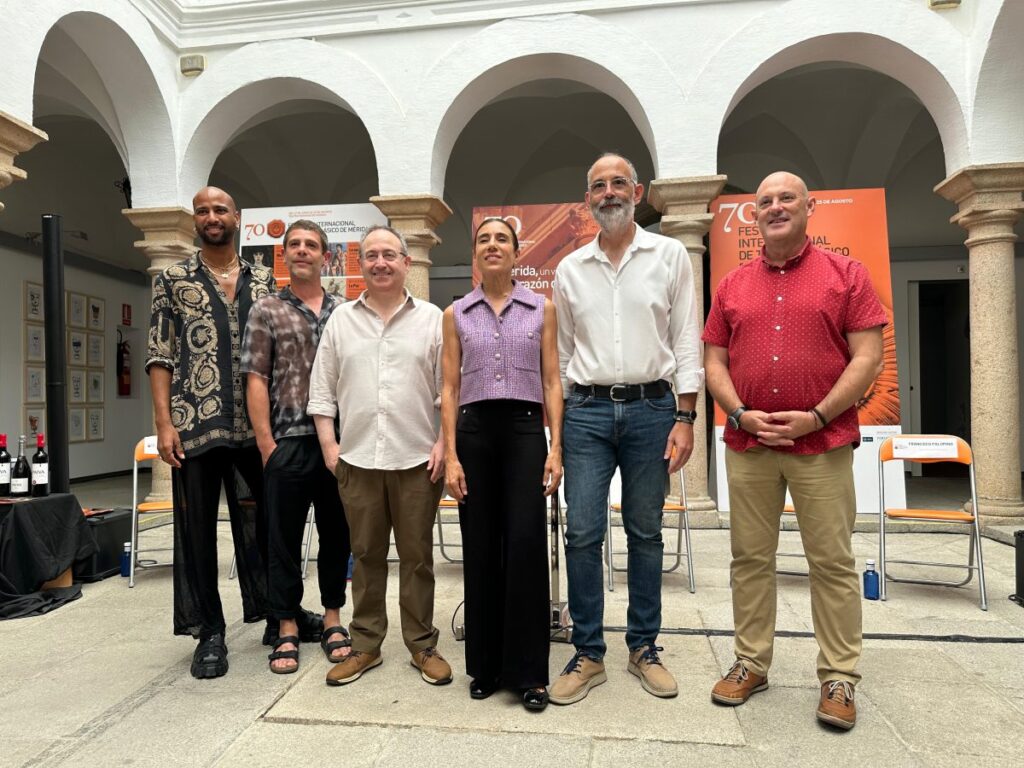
(330, 647)
(311, 625)
(293, 654)
(535, 699)
(210, 658)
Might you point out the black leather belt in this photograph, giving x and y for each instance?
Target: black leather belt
(623, 393)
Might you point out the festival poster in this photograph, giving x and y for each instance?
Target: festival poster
(547, 233)
(263, 229)
(851, 222)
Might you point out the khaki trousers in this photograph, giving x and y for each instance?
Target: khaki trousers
(375, 502)
(823, 495)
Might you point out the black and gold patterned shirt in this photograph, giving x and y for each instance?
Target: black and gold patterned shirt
(280, 343)
(197, 334)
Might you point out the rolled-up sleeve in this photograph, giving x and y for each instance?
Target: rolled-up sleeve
(162, 346)
(684, 328)
(323, 380)
(566, 331)
(258, 343)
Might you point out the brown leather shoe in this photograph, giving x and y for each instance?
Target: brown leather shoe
(654, 678)
(432, 666)
(738, 685)
(351, 668)
(836, 706)
(580, 675)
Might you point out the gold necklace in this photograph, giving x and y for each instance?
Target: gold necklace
(218, 271)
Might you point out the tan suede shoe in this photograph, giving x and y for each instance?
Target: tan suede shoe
(654, 678)
(738, 685)
(580, 675)
(432, 666)
(351, 668)
(836, 706)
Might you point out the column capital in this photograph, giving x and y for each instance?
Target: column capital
(15, 137)
(691, 195)
(417, 217)
(168, 234)
(985, 193)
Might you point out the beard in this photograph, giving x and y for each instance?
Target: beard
(226, 236)
(614, 219)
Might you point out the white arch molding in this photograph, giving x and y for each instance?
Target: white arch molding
(997, 131)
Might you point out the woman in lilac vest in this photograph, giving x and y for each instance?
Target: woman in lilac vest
(500, 373)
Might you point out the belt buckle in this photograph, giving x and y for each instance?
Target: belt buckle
(611, 393)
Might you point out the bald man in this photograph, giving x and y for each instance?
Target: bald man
(792, 342)
(200, 307)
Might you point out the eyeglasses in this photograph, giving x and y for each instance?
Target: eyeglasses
(619, 184)
(389, 257)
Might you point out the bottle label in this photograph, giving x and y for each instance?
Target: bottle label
(19, 485)
(5, 472)
(40, 473)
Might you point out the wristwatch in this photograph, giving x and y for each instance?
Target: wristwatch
(734, 417)
(686, 417)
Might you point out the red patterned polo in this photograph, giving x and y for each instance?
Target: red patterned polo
(785, 329)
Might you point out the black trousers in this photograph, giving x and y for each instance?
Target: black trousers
(196, 488)
(295, 476)
(502, 448)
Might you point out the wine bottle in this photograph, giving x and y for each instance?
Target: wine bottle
(40, 468)
(5, 468)
(20, 472)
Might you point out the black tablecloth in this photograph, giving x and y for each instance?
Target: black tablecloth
(39, 540)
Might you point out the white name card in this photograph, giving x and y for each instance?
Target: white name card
(149, 444)
(924, 448)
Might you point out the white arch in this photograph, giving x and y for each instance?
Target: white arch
(123, 51)
(997, 128)
(259, 76)
(908, 43)
(517, 51)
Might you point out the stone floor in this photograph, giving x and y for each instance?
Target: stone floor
(102, 681)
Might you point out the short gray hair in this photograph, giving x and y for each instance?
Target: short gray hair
(629, 164)
(378, 227)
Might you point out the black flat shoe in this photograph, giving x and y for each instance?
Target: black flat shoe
(535, 699)
(210, 658)
(481, 689)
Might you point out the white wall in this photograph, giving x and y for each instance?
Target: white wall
(125, 419)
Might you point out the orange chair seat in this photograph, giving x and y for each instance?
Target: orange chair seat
(944, 515)
(449, 504)
(156, 506)
(669, 507)
(788, 509)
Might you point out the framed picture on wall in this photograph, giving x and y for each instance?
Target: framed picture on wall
(33, 421)
(35, 384)
(76, 309)
(76, 347)
(33, 301)
(94, 424)
(76, 425)
(95, 314)
(35, 348)
(94, 353)
(76, 385)
(94, 387)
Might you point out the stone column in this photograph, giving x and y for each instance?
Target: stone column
(683, 204)
(15, 137)
(417, 217)
(990, 201)
(167, 237)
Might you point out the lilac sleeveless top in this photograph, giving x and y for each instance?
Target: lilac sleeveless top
(500, 355)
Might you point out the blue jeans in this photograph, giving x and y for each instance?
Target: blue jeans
(598, 436)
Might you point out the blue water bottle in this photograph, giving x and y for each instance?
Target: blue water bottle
(870, 581)
(351, 564)
(126, 559)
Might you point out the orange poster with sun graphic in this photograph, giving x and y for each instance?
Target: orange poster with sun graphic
(850, 222)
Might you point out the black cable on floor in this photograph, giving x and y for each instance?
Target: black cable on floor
(867, 635)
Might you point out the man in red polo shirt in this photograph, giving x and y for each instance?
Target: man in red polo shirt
(792, 342)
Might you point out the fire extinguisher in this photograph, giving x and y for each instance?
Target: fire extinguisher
(124, 367)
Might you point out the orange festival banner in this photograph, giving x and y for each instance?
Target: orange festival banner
(851, 222)
(547, 233)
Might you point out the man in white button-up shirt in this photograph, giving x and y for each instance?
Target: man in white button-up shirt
(378, 368)
(629, 349)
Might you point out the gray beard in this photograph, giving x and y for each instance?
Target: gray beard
(615, 219)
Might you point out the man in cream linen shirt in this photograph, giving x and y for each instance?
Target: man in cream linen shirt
(629, 349)
(378, 368)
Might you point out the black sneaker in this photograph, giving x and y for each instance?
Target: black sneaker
(210, 658)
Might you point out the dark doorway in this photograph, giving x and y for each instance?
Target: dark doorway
(945, 365)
